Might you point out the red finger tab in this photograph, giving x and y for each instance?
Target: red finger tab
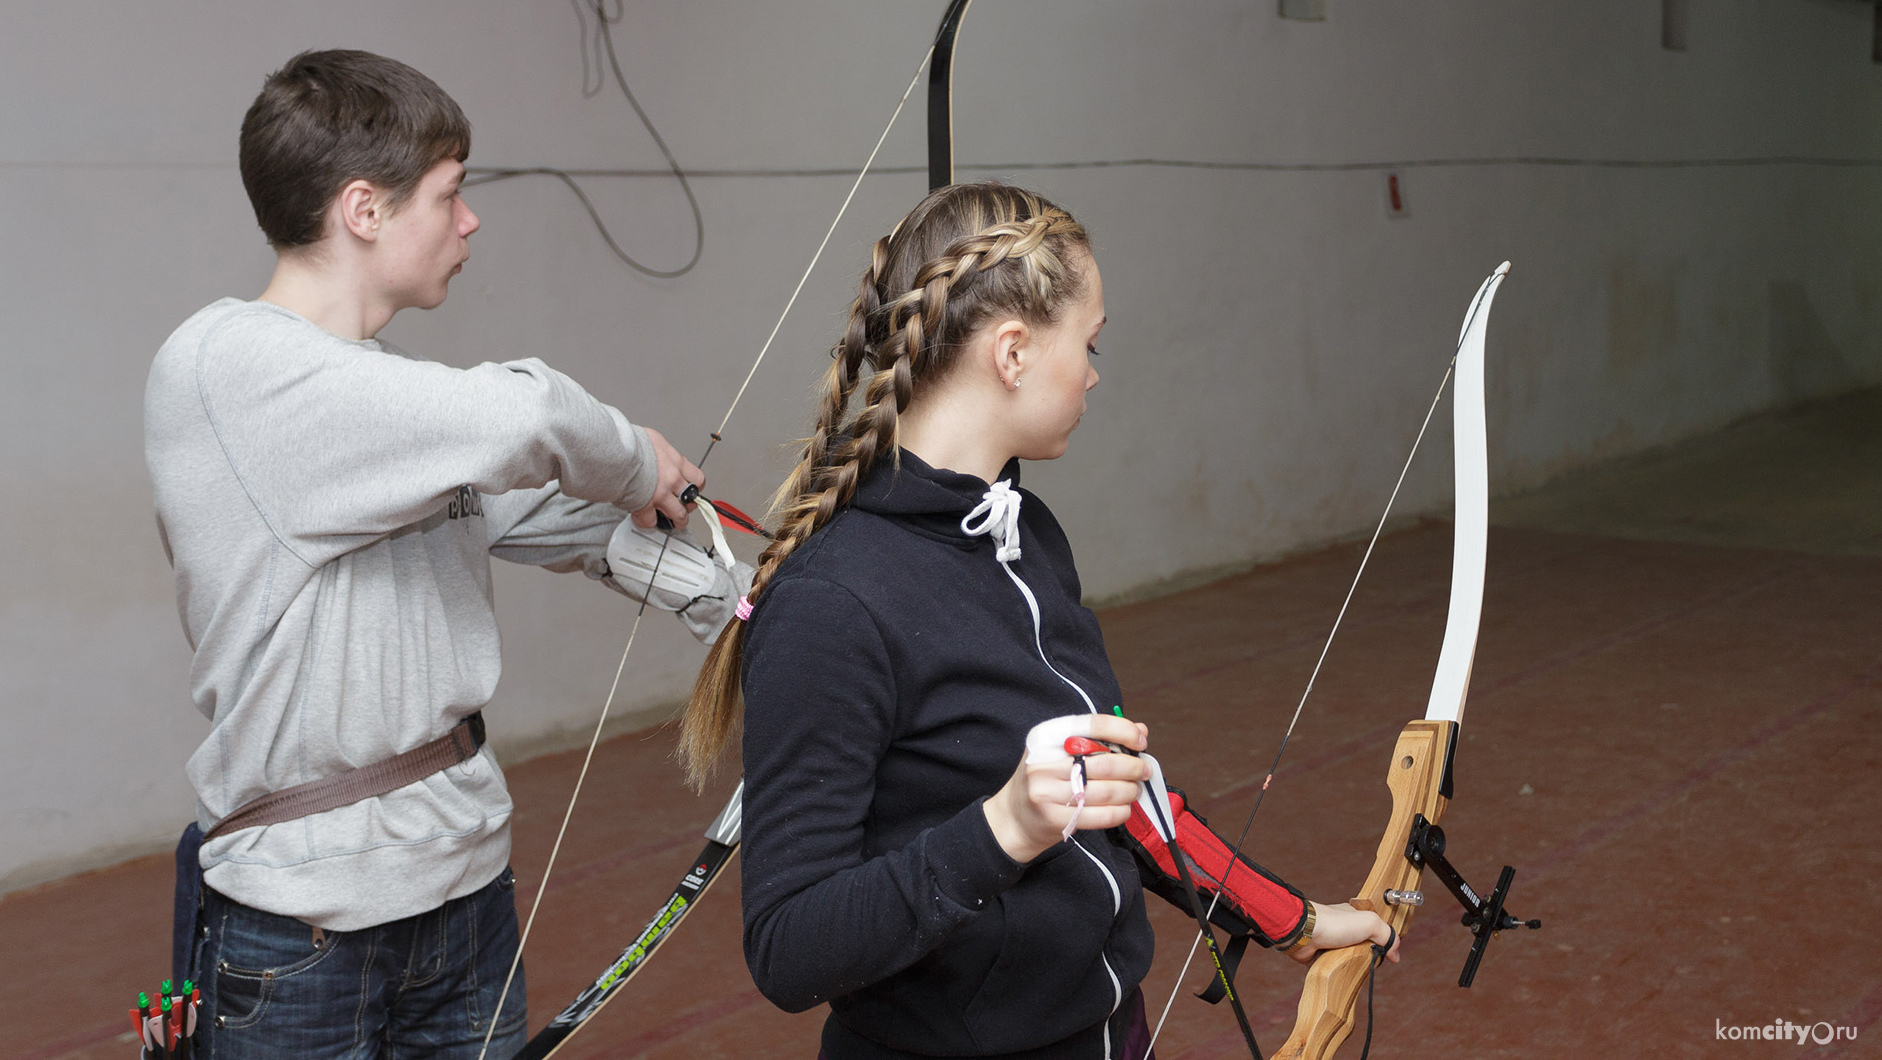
(1084, 745)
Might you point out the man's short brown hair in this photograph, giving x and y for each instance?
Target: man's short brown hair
(330, 117)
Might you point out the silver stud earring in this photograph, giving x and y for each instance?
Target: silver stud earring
(1016, 382)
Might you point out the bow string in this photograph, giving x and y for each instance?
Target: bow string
(939, 58)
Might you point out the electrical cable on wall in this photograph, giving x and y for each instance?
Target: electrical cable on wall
(592, 55)
(599, 60)
(603, 48)
(1484, 162)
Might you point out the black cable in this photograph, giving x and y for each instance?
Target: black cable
(1222, 975)
(1487, 162)
(1377, 962)
(581, 15)
(567, 177)
(1542, 161)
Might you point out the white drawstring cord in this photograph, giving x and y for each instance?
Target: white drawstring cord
(1000, 506)
(998, 512)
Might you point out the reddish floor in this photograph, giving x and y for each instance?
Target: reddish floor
(1675, 745)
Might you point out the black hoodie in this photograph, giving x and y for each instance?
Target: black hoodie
(890, 678)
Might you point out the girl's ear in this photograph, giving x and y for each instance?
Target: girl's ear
(1010, 352)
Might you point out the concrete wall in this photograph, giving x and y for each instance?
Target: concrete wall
(1274, 337)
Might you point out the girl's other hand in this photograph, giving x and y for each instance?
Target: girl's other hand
(1028, 815)
(1338, 926)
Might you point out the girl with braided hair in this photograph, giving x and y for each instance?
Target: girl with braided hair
(915, 617)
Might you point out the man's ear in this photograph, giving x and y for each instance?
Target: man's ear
(360, 208)
(1010, 351)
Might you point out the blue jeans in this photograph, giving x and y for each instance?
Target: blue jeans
(425, 986)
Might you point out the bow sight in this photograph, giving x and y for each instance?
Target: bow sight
(1484, 918)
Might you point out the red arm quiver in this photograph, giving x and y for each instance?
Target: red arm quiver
(1255, 903)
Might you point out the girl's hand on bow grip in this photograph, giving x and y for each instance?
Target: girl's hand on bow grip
(1339, 925)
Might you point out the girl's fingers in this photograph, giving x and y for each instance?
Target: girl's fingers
(1120, 731)
(1098, 818)
(1097, 792)
(1047, 792)
(1050, 771)
(1052, 800)
(1111, 793)
(1097, 767)
(1115, 767)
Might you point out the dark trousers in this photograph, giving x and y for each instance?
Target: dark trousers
(425, 986)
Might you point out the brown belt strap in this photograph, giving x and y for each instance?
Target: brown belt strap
(357, 785)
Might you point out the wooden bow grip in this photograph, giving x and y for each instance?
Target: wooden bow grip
(1336, 977)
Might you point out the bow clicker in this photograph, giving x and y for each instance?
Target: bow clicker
(1420, 775)
(723, 835)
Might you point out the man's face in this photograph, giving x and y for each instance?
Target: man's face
(426, 241)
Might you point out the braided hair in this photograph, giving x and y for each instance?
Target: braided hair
(968, 253)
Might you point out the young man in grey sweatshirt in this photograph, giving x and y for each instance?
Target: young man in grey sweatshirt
(329, 504)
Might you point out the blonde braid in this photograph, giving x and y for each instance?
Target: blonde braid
(909, 339)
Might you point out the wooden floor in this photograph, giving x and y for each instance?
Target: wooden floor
(1676, 745)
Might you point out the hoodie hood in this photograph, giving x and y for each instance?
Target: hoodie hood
(935, 499)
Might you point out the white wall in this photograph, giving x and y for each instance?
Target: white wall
(1273, 340)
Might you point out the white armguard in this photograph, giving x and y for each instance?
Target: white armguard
(702, 586)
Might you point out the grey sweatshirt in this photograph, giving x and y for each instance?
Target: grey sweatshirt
(330, 508)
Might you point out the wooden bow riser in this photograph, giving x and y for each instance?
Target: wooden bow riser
(1334, 980)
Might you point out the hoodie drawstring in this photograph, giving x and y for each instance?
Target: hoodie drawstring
(998, 512)
(1000, 506)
